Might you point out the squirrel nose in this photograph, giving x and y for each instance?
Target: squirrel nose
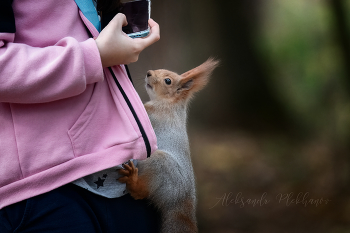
(149, 73)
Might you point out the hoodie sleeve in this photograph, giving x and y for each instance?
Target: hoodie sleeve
(37, 75)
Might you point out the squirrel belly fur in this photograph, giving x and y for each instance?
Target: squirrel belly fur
(166, 178)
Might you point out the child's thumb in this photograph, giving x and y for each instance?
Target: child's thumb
(119, 20)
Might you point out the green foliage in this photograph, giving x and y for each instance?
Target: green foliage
(298, 39)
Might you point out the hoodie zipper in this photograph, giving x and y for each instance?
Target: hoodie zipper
(143, 132)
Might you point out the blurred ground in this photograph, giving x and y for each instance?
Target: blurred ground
(236, 170)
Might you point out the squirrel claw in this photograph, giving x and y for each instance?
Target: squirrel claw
(134, 183)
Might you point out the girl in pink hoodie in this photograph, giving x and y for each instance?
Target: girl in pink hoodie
(64, 115)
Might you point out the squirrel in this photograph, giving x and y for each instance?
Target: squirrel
(166, 178)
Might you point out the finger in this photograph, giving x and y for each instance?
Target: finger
(154, 26)
(153, 36)
(151, 23)
(127, 167)
(123, 172)
(119, 20)
(123, 179)
(132, 165)
(154, 32)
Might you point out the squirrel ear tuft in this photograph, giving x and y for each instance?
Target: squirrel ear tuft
(197, 78)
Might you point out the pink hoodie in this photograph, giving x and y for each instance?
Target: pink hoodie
(62, 116)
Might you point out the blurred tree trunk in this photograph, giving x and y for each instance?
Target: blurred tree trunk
(342, 34)
(341, 159)
(248, 93)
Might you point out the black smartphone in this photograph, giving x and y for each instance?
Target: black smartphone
(137, 14)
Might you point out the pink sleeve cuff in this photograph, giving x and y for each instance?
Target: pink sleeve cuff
(92, 62)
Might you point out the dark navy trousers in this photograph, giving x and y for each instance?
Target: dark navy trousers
(71, 209)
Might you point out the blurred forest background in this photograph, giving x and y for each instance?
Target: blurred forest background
(275, 118)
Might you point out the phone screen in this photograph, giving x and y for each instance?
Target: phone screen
(137, 14)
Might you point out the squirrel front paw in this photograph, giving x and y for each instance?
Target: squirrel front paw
(135, 184)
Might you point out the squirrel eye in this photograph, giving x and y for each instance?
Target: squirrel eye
(167, 81)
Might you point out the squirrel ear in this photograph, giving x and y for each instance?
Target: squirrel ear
(198, 77)
(187, 84)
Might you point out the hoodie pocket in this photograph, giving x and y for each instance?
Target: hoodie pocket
(102, 124)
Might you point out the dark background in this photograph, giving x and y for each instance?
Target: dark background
(275, 118)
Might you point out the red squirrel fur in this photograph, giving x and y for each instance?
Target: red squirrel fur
(167, 178)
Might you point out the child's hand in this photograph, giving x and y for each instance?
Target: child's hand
(117, 48)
